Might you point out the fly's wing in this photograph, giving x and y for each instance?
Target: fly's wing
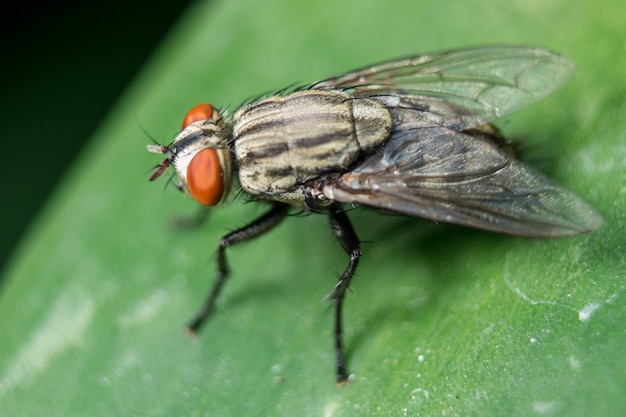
(463, 178)
(460, 89)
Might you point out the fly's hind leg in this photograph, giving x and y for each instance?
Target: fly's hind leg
(350, 242)
(254, 229)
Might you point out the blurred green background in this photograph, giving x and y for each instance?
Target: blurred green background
(65, 63)
(441, 320)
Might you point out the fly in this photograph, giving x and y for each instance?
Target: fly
(411, 136)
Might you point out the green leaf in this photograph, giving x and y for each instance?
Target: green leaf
(441, 320)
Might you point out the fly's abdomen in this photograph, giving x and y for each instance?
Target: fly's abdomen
(281, 142)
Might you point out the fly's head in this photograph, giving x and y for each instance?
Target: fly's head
(200, 155)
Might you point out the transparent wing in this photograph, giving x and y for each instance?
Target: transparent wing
(463, 178)
(461, 89)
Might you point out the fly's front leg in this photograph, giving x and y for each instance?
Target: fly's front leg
(248, 232)
(350, 242)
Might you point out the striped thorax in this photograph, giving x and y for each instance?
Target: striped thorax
(281, 142)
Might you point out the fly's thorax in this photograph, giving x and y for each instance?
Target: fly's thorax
(201, 157)
(281, 142)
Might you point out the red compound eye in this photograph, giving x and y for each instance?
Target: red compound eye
(204, 177)
(200, 112)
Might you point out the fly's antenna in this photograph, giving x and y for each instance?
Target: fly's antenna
(165, 163)
(160, 169)
(156, 148)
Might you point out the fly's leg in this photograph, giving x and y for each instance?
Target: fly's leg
(191, 222)
(248, 232)
(350, 242)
